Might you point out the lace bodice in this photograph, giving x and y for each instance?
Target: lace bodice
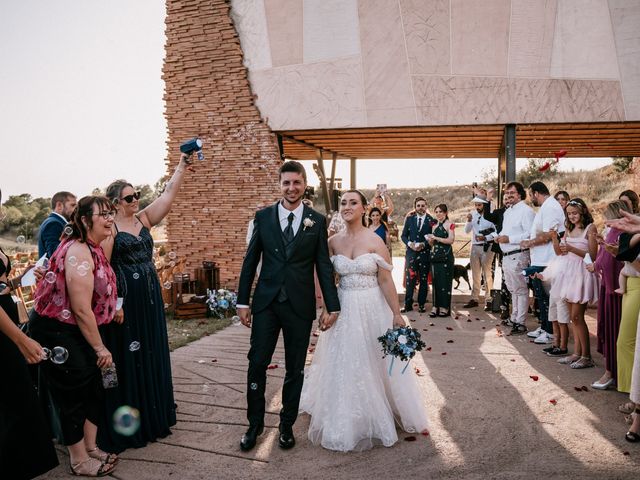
(359, 273)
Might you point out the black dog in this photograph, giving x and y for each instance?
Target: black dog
(460, 271)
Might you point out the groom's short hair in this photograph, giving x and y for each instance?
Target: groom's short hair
(418, 199)
(293, 166)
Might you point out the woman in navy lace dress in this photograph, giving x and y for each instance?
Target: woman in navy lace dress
(138, 339)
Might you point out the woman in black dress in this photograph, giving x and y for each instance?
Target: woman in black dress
(442, 261)
(138, 339)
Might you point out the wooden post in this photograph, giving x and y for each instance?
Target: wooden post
(353, 173)
(332, 181)
(323, 180)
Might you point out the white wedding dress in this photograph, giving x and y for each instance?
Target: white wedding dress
(353, 401)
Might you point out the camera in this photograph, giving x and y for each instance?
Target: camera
(193, 145)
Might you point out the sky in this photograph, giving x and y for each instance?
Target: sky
(81, 96)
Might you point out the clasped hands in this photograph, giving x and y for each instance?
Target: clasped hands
(327, 320)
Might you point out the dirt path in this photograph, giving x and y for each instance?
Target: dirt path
(490, 419)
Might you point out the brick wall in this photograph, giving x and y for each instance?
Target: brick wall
(208, 95)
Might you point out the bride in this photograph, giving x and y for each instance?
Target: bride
(353, 401)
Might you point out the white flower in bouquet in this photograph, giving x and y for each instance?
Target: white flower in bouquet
(402, 339)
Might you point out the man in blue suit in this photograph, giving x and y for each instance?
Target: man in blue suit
(62, 204)
(417, 256)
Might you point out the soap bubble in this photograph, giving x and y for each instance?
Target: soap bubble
(21, 239)
(194, 223)
(50, 277)
(66, 314)
(172, 264)
(136, 276)
(172, 255)
(59, 355)
(45, 264)
(235, 320)
(73, 261)
(205, 210)
(167, 285)
(134, 346)
(68, 230)
(46, 353)
(126, 420)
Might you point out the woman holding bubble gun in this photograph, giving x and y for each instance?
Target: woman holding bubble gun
(74, 302)
(138, 338)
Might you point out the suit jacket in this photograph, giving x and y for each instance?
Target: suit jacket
(410, 233)
(294, 271)
(49, 234)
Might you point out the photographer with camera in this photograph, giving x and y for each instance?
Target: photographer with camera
(483, 232)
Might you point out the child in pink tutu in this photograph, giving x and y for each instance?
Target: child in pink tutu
(574, 277)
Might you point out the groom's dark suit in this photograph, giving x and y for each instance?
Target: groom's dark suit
(284, 298)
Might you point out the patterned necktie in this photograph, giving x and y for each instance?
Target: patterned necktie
(288, 231)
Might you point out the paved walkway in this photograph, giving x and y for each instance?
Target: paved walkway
(490, 418)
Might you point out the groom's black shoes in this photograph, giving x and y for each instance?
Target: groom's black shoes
(248, 440)
(286, 440)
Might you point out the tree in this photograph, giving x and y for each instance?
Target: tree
(622, 164)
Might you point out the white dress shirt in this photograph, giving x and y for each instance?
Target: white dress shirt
(477, 223)
(550, 216)
(516, 225)
(283, 215)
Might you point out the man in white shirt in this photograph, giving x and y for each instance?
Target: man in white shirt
(549, 219)
(481, 253)
(516, 227)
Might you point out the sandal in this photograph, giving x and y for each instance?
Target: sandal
(434, 312)
(626, 408)
(568, 360)
(583, 362)
(91, 468)
(104, 457)
(445, 313)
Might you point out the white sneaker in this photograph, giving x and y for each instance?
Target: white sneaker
(535, 333)
(543, 338)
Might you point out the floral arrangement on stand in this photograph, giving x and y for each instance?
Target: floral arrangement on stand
(222, 303)
(401, 342)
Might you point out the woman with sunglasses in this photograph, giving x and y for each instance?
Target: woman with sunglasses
(73, 304)
(138, 339)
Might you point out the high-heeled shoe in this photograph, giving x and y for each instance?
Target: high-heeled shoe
(604, 385)
(434, 313)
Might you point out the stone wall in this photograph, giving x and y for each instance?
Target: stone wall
(208, 95)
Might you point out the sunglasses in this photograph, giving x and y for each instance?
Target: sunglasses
(129, 198)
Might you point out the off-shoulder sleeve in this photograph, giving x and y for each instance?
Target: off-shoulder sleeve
(380, 261)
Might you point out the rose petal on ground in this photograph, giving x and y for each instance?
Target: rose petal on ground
(468, 319)
(626, 453)
(577, 389)
(410, 438)
(513, 360)
(456, 317)
(311, 350)
(553, 401)
(449, 328)
(449, 341)
(477, 318)
(428, 349)
(444, 353)
(584, 389)
(316, 334)
(484, 328)
(425, 329)
(214, 360)
(425, 433)
(535, 378)
(272, 366)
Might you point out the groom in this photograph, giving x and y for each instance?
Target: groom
(291, 238)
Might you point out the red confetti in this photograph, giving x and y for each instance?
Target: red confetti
(272, 366)
(626, 453)
(477, 318)
(544, 167)
(535, 378)
(449, 328)
(428, 349)
(316, 334)
(449, 341)
(456, 317)
(513, 360)
(468, 319)
(214, 360)
(577, 389)
(410, 438)
(311, 350)
(585, 389)
(425, 433)
(417, 370)
(553, 401)
(425, 329)
(559, 154)
(452, 227)
(444, 353)
(484, 328)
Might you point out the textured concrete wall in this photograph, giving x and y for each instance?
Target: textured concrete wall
(358, 63)
(208, 95)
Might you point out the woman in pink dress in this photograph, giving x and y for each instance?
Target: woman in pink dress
(575, 279)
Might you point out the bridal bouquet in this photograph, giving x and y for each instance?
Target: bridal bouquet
(222, 303)
(401, 342)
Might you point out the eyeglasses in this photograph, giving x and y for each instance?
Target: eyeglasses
(106, 215)
(129, 198)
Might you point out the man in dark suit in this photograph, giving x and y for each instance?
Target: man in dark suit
(291, 239)
(62, 204)
(417, 256)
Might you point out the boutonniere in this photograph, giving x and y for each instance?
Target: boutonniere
(308, 223)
